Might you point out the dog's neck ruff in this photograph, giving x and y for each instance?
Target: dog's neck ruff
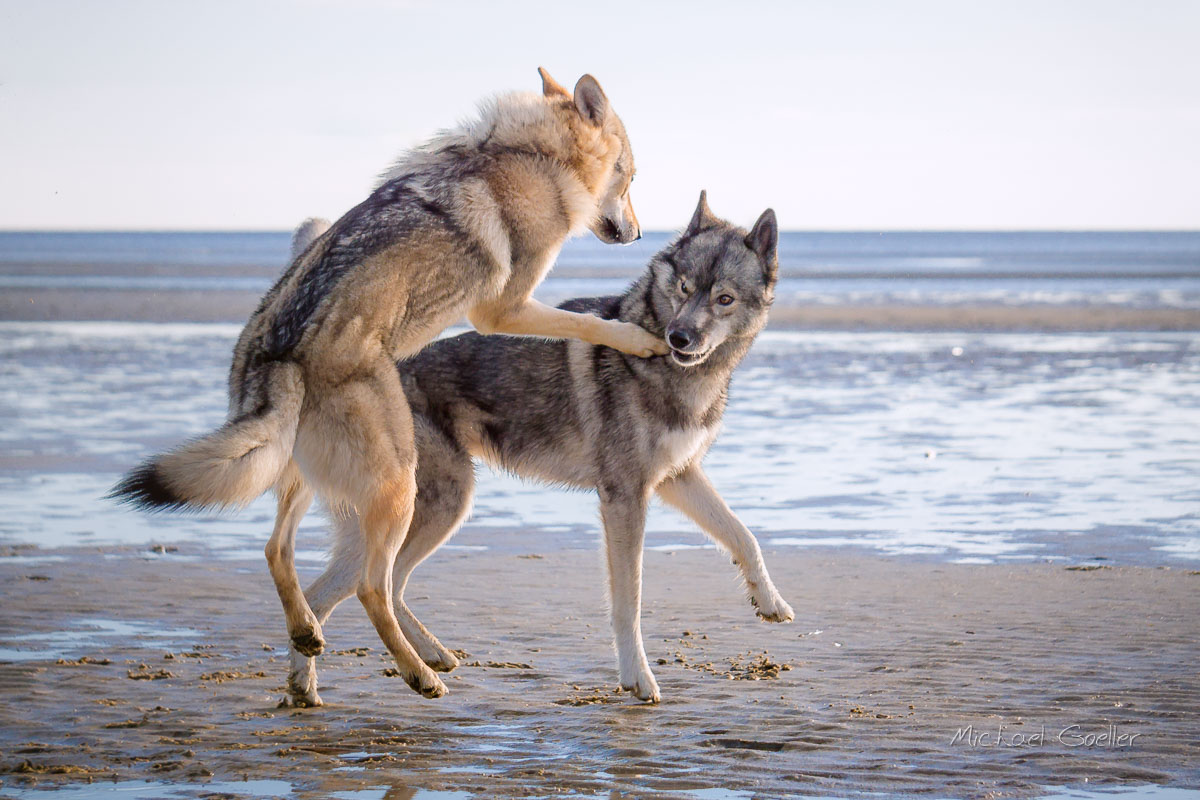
(518, 122)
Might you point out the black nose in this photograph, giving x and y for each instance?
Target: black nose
(679, 339)
(639, 236)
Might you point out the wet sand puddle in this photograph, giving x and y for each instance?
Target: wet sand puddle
(88, 635)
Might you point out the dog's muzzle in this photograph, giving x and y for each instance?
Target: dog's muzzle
(607, 231)
(687, 359)
(679, 340)
(610, 232)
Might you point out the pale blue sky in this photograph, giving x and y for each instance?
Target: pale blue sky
(840, 115)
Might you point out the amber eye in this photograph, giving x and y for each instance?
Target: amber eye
(725, 299)
(683, 287)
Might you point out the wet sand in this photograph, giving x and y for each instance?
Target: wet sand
(174, 668)
(236, 306)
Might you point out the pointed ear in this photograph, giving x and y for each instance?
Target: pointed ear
(591, 101)
(763, 239)
(551, 87)
(703, 216)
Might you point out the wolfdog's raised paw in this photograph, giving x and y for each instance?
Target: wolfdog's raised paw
(637, 341)
(445, 662)
(309, 642)
(429, 686)
(775, 609)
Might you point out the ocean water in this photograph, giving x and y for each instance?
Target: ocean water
(1132, 269)
(976, 447)
(962, 447)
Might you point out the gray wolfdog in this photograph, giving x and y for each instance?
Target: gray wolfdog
(466, 224)
(585, 416)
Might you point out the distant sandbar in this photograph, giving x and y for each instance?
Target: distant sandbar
(138, 305)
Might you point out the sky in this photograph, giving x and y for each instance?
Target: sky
(840, 114)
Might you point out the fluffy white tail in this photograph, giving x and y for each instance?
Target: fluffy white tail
(243, 458)
(231, 466)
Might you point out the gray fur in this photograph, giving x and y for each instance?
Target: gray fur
(472, 381)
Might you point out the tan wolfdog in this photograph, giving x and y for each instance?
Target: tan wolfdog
(467, 224)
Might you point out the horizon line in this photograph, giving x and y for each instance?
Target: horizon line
(4, 231)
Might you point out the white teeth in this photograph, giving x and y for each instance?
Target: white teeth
(686, 359)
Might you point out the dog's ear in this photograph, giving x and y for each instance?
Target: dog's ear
(703, 216)
(763, 239)
(591, 101)
(551, 87)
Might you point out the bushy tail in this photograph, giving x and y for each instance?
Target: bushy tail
(238, 462)
(231, 466)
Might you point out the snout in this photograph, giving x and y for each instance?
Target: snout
(680, 339)
(631, 217)
(611, 231)
(687, 347)
(617, 224)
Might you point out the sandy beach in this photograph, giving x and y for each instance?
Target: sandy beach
(897, 676)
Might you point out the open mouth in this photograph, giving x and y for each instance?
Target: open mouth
(687, 359)
(609, 231)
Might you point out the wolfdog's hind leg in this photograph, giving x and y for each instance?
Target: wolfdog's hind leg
(294, 499)
(383, 526)
(445, 482)
(335, 584)
(376, 423)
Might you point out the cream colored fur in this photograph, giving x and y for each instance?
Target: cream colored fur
(243, 459)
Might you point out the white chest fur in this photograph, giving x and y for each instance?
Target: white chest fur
(679, 446)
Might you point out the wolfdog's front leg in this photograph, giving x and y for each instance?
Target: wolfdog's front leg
(691, 493)
(624, 515)
(532, 318)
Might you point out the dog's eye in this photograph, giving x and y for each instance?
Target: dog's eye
(683, 287)
(725, 299)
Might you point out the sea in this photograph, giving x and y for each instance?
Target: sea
(960, 446)
(1129, 269)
